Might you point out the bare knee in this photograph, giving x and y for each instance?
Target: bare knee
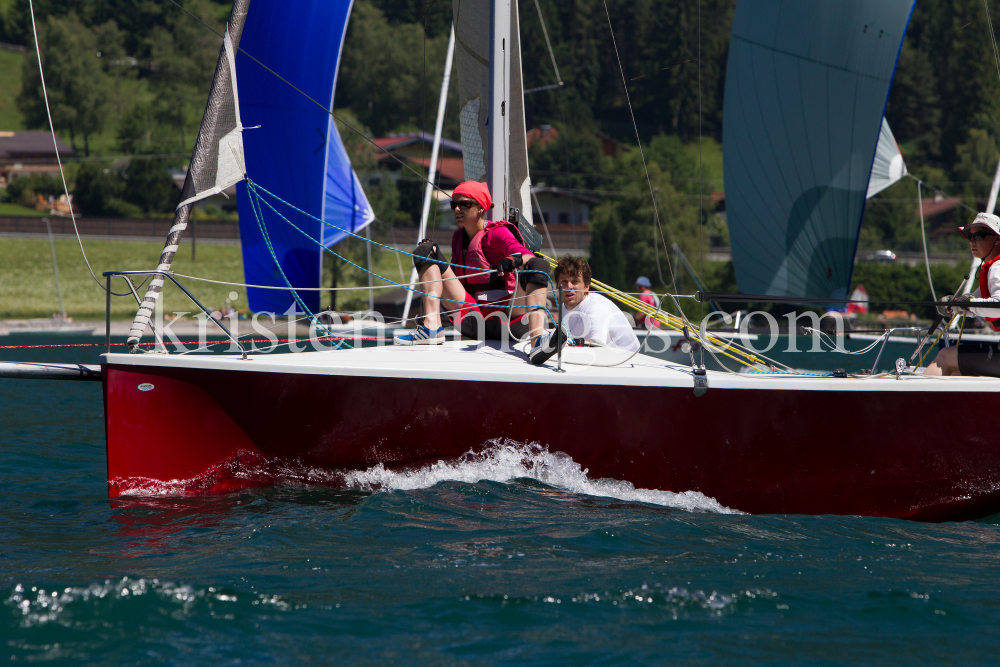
(945, 363)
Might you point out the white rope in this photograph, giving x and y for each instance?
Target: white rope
(923, 235)
(836, 348)
(55, 144)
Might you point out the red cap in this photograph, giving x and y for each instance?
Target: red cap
(477, 191)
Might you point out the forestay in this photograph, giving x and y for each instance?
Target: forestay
(806, 89)
(216, 163)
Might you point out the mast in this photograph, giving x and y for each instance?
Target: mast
(498, 150)
(432, 173)
(216, 162)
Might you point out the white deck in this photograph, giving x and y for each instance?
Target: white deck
(476, 362)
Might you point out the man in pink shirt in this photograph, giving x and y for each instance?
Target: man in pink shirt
(502, 285)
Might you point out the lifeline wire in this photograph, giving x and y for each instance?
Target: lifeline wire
(55, 145)
(628, 99)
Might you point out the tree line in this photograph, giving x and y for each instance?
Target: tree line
(138, 72)
(155, 65)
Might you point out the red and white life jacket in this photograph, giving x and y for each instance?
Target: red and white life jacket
(984, 289)
(484, 288)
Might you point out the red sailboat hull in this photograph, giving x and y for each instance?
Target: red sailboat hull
(759, 450)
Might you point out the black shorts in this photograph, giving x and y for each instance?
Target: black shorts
(428, 252)
(979, 359)
(476, 327)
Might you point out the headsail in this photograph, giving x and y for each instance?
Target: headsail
(216, 163)
(494, 141)
(888, 166)
(806, 88)
(297, 153)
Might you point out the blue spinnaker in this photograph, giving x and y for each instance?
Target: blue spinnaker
(806, 89)
(296, 153)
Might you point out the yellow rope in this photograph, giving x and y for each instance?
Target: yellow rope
(671, 321)
(943, 329)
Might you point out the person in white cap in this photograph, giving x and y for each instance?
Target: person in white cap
(977, 359)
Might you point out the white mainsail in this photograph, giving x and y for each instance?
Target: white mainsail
(494, 143)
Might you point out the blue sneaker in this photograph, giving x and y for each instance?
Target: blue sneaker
(548, 344)
(421, 336)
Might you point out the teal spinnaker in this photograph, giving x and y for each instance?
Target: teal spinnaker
(806, 90)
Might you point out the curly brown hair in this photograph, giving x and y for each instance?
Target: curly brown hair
(573, 267)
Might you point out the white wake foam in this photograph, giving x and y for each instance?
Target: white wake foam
(506, 461)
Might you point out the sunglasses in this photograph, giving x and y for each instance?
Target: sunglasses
(980, 236)
(464, 204)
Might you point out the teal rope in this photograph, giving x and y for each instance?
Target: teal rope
(252, 187)
(254, 203)
(350, 233)
(803, 373)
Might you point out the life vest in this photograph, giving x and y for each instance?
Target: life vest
(984, 290)
(485, 289)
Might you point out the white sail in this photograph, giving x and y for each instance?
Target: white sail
(216, 163)
(888, 166)
(494, 144)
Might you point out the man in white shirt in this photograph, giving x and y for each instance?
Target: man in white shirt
(592, 317)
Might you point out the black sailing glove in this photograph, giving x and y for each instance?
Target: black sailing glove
(945, 311)
(963, 298)
(508, 264)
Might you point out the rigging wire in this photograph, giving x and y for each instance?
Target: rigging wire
(701, 183)
(923, 236)
(993, 39)
(55, 145)
(939, 190)
(254, 187)
(656, 211)
(545, 33)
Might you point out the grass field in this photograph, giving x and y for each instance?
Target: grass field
(10, 86)
(28, 290)
(8, 208)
